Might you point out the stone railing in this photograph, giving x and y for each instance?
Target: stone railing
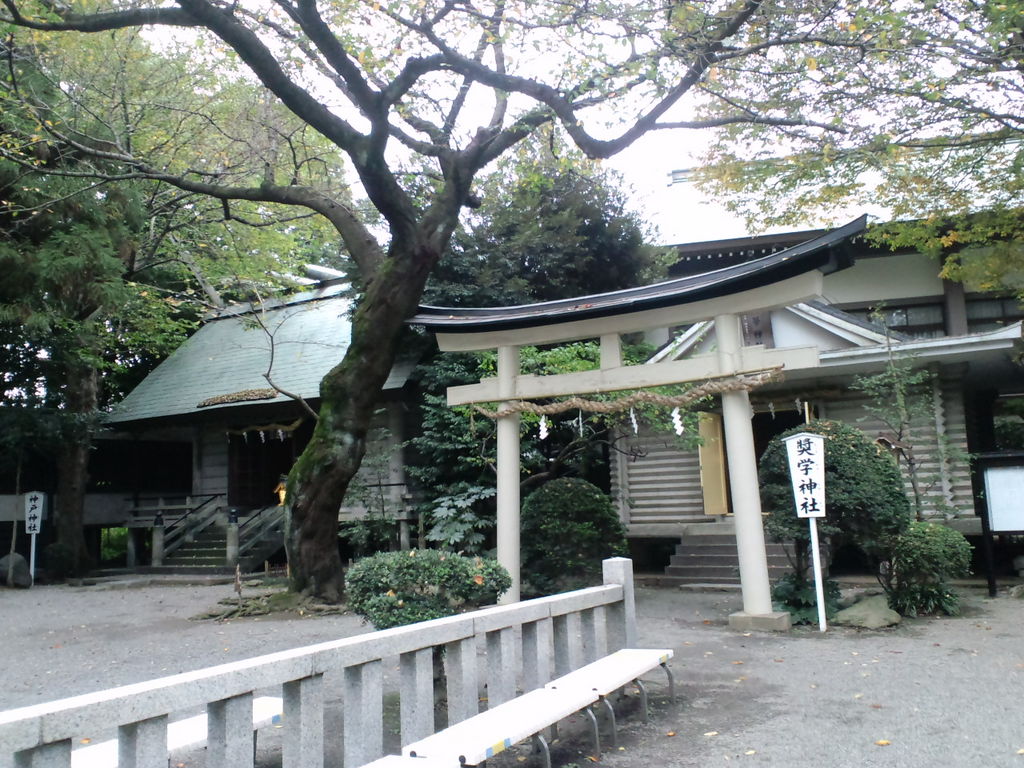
(507, 648)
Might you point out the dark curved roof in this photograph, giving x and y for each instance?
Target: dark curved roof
(827, 252)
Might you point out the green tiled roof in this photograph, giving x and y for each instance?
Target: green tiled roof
(229, 355)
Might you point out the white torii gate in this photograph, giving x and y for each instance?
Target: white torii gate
(607, 317)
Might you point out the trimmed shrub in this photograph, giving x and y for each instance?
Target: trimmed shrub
(568, 527)
(866, 504)
(391, 589)
(923, 559)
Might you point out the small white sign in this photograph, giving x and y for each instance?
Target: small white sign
(806, 453)
(35, 503)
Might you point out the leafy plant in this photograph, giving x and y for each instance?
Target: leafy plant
(865, 502)
(391, 589)
(370, 533)
(796, 593)
(456, 520)
(923, 560)
(568, 527)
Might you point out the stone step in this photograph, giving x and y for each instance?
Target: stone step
(709, 558)
(176, 560)
(716, 574)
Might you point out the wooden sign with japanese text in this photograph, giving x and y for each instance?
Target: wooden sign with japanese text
(35, 502)
(806, 453)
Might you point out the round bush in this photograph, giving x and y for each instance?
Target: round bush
(865, 501)
(923, 558)
(568, 527)
(391, 589)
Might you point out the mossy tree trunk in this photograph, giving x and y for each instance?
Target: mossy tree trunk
(349, 394)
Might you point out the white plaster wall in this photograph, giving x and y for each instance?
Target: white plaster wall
(899, 276)
(790, 330)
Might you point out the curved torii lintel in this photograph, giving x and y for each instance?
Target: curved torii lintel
(781, 278)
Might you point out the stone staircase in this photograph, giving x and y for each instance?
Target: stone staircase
(707, 555)
(261, 535)
(203, 554)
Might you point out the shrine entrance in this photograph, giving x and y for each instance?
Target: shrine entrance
(780, 279)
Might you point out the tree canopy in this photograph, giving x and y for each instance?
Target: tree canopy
(414, 96)
(919, 110)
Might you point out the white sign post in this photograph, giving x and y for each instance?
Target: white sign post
(35, 503)
(806, 453)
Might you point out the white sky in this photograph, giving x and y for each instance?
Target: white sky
(680, 212)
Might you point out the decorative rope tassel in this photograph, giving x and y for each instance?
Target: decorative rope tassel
(543, 427)
(579, 423)
(633, 421)
(771, 408)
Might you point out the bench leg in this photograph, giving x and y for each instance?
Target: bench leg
(611, 720)
(540, 745)
(643, 699)
(597, 731)
(671, 683)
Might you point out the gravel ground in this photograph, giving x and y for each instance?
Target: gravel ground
(931, 692)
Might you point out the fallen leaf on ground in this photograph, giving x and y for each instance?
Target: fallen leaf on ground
(737, 662)
(711, 733)
(883, 742)
(671, 733)
(858, 695)
(876, 706)
(779, 661)
(750, 752)
(85, 741)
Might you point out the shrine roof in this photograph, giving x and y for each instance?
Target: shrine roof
(826, 252)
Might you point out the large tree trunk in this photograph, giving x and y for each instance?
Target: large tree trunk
(81, 399)
(349, 394)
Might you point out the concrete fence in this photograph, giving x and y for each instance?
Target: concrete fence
(507, 648)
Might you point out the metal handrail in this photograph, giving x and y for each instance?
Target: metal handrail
(195, 520)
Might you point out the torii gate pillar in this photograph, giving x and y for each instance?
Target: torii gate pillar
(508, 474)
(757, 610)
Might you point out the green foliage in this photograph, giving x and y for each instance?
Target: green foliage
(552, 225)
(459, 521)
(923, 560)
(796, 593)
(371, 533)
(568, 526)
(392, 589)
(910, 104)
(864, 497)
(113, 544)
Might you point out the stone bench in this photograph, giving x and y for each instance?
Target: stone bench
(482, 736)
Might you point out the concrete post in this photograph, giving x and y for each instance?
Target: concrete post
(231, 553)
(620, 621)
(508, 474)
(158, 541)
(744, 491)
